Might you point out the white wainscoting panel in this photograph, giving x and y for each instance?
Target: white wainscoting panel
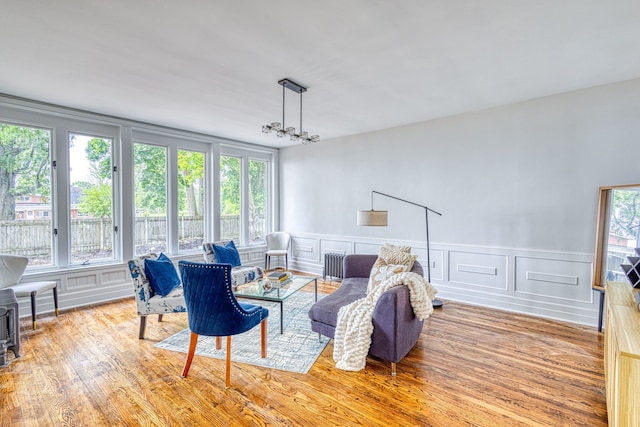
(478, 269)
(554, 278)
(305, 248)
(91, 285)
(545, 284)
(335, 246)
(115, 277)
(367, 248)
(436, 260)
(83, 281)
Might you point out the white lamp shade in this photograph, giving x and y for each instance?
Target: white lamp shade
(376, 218)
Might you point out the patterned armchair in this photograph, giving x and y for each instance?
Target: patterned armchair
(147, 301)
(239, 275)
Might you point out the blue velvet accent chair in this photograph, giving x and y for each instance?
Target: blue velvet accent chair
(214, 311)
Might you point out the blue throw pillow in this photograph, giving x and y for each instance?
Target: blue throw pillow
(162, 274)
(227, 254)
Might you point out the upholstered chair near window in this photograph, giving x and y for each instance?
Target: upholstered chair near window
(227, 253)
(12, 268)
(278, 246)
(157, 287)
(214, 311)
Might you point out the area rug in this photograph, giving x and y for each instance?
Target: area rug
(295, 350)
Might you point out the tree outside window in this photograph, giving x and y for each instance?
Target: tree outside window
(232, 214)
(229, 198)
(150, 192)
(191, 191)
(257, 200)
(624, 230)
(91, 198)
(26, 227)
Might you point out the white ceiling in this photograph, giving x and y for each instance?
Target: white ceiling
(213, 66)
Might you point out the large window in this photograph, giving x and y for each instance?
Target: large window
(230, 198)
(244, 198)
(79, 190)
(191, 200)
(258, 197)
(26, 226)
(150, 191)
(90, 198)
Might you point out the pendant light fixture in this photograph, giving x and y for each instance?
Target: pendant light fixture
(279, 128)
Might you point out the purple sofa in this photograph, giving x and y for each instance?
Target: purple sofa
(395, 328)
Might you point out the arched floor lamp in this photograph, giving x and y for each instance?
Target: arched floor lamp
(379, 218)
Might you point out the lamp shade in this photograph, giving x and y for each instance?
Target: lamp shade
(377, 218)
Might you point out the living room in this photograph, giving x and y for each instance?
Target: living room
(505, 118)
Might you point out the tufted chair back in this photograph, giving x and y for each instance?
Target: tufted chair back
(214, 310)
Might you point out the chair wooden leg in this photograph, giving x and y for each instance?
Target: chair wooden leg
(227, 380)
(193, 341)
(159, 317)
(33, 309)
(55, 298)
(263, 332)
(393, 369)
(143, 326)
(218, 343)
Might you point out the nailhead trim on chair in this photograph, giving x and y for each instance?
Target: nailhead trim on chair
(229, 291)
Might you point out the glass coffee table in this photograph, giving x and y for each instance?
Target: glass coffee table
(256, 290)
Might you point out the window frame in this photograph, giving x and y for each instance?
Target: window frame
(173, 142)
(60, 121)
(271, 213)
(602, 233)
(32, 214)
(115, 196)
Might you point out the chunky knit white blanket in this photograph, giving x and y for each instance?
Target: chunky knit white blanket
(355, 321)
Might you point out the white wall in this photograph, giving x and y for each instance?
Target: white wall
(519, 183)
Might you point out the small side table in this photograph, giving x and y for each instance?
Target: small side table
(10, 321)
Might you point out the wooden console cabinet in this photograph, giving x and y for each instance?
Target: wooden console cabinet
(622, 356)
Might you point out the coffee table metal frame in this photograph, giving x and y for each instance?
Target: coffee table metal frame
(255, 290)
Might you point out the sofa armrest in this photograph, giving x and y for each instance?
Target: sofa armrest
(396, 328)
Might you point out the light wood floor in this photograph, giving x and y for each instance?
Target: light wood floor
(471, 367)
